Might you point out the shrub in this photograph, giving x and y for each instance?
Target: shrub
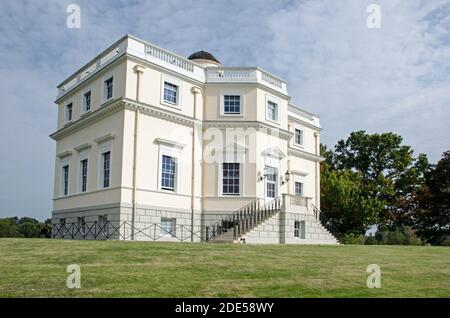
(353, 239)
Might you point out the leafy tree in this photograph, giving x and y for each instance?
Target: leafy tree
(24, 227)
(27, 226)
(432, 216)
(8, 228)
(343, 201)
(390, 174)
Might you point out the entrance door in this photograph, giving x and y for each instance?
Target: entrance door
(271, 183)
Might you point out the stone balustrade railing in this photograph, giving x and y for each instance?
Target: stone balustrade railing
(146, 51)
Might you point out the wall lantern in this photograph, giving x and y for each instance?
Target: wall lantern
(287, 177)
(266, 172)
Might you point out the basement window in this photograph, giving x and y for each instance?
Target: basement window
(167, 227)
(299, 229)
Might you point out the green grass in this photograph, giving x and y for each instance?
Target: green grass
(37, 268)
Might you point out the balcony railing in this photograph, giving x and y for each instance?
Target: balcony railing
(271, 80)
(298, 200)
(245, 75)
(90, 69)
(156, 55)
(167, 57)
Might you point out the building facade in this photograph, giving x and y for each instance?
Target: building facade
(154, 146)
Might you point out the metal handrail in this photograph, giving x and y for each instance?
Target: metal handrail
(326, 222)
(244, 219)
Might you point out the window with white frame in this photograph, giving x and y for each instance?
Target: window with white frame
(299, 229)
(65, 179)
(231, 104)
(167, 227)
(272, 111)
(83, 174)
(271, 182)
(87, 101)
(69, 112)
(106, 169)
(168, 172)
(298, 188)
(170, 93)
(298, 137)
(108, 88)
(230, 178)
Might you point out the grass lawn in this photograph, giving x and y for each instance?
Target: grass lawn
(37, 268)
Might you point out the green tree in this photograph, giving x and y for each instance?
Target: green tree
(432, 216)
(343, 202)
(390, 174)
(28, 226)
(8, 228)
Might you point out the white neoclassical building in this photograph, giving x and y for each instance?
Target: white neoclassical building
(154, 146)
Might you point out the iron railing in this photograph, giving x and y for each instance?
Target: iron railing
(326, 223)
(124, 231)
(244, 219)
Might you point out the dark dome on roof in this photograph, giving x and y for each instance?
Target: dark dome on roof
(203, 55)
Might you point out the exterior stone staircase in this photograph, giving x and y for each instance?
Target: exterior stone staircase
(231, 228)
(274, 223)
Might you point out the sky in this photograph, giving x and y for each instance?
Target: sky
(392, 78)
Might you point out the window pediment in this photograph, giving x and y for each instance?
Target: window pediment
(274, 152)
(169, 143)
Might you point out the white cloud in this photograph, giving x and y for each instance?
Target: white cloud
(389, 79)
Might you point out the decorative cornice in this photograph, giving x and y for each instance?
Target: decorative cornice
(104, 138)
(170, 143)
(260, 126)
(160, 113)
(304, 154)
(274, 152)
(104, 111)
(120, 104)
(299, 173)
(305, 123)
(64, 154)
(83, 147)
(234, 148)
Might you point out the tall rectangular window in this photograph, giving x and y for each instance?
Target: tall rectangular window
(170, 92)
(272, 111)
(231, 104)
(271, 182)
(84, 173)
(65, 179)
(168, 168)
(298, 137)
(106, 168)
(69, 112)
(109, 88)
(167, 227)
(298, 187)
(299, 229)
(230, 179)
(87, 101)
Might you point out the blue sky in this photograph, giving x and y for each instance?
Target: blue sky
(396, 78)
